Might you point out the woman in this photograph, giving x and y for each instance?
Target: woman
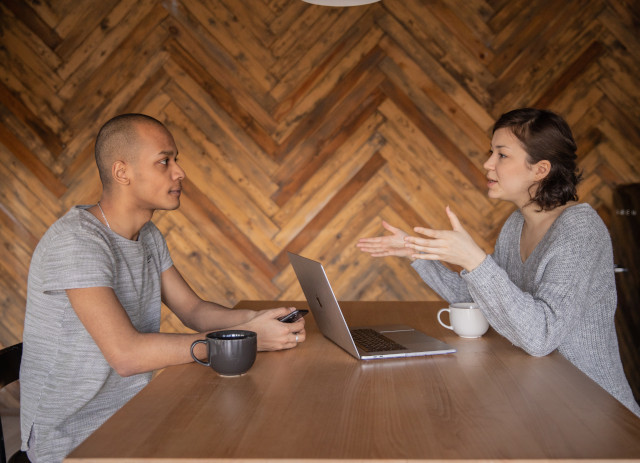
(549, 283)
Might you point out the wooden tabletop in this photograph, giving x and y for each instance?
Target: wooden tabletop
(488, 401)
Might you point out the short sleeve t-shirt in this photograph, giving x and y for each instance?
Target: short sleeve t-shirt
(67, 388)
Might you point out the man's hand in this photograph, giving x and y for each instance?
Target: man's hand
(272, 333)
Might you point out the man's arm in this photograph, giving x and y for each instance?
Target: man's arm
(127, 350)
(202, 315)
(130, 352)
(194, 312)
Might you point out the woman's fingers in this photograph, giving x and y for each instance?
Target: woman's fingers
(387, 226)
(455, 223)
(429, 232)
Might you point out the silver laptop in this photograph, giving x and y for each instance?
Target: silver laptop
(364, 343)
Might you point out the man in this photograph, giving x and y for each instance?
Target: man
(96, 282)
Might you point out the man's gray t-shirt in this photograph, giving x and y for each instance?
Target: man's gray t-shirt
(67, 388)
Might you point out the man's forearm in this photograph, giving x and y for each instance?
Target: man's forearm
(153, 351)
(209, 316)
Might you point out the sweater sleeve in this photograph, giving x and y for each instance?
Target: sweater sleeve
(537, 314)
(448, 284)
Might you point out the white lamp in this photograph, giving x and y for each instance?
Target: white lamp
(340, 2)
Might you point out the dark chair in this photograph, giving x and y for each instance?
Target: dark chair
(10, 358)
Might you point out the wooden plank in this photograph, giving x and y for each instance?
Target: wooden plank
(573, 33)
(448, 53)
(444, 144)
(309, 53)
(619, 81)
(257, 124)
(208, 53)
(224, 133)
(77, 24)
(50, 139)
(251, 182)
(334, 174)
(23, 12)
(311, 121)
(300, 172)
(296, 98)
(33, 60)
(451, 119)
(221, 64)
(87, 56)
(229, 197)
(201, 211)
(621, 19)
(463, 55)
(429, 61)
(343, 195)
(40, 171)
(570, 74)
(206, 265)
(286, 13)
(257, 16)
(235, 39)
(340, 231)
(102, 88)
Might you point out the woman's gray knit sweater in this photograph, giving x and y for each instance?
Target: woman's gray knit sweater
(562, 297)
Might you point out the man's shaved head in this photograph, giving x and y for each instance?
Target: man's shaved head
(118, 140)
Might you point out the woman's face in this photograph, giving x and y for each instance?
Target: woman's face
(509, 173)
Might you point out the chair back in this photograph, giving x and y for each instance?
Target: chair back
(10, 358)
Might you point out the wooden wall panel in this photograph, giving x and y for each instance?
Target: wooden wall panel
(301, 127)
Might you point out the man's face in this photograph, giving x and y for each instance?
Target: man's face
(156, 178)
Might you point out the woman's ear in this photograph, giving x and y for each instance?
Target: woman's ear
(120, 173)
(542, 169)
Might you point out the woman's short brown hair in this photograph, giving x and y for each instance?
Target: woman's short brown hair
(546, 136)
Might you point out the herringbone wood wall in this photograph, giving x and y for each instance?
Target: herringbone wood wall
(300, 127)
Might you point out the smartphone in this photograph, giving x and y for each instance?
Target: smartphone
(294, 316)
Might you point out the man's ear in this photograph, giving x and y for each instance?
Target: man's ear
(542, 169)
(120, 172)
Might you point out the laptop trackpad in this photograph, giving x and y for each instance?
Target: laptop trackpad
(410, 337)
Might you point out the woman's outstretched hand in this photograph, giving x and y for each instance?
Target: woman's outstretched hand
(387, 245)
(455, 246)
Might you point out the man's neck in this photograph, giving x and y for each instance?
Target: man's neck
(120, 217)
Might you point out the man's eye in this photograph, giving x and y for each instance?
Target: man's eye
(165, 161)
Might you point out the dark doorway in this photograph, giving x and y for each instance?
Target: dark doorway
(625, 235)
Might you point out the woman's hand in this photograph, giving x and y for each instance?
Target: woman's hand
(454, 246)
(272, 333)
(388, 245)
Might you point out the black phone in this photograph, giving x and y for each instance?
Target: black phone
(294, 316)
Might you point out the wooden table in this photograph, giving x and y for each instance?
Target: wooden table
(488, 401)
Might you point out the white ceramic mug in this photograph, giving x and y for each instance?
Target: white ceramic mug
(466, 319)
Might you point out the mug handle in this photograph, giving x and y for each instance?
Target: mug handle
(440, 320)
(208, 364)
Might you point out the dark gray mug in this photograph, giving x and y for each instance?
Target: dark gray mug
(230, 352)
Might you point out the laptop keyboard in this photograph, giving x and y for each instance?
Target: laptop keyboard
(370, 340)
